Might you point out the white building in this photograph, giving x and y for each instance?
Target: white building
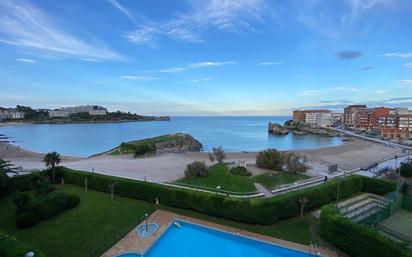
(58, 114)
(98, 112)
(337, 118)
(67, 111)
(11, 114)
(324, 119)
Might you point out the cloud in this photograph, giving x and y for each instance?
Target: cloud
(25, 60)
(405, 81)
(338, 101)
(225, 15)
(408, 65)
(270, 63)
(347, 89)
(397, 54)
(310, 92)
(23, 25)
(200, 80)
(380, 91)
(195, 66)
(348, 55)
(367, 68)
(138, 78)
(122, 9)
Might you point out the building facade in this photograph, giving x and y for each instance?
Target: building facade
(350, 114)
(320, 118)
(11, 114)
(67, 111)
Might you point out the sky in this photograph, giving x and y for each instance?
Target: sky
(206, 57)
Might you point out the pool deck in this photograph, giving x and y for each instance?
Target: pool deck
(132, 243)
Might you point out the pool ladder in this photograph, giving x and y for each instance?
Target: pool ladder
(175, 221)
(314, 250)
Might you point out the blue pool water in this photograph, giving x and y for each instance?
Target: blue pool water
(234, 134)
(144, 230)
(196, 241)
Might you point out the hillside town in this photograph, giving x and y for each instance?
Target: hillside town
(390, 123)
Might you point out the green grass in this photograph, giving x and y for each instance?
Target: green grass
(219, 175)
(273, 179)
(99, 222)
(150, 141)
(85, 230)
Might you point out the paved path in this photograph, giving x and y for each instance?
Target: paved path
(263, 190)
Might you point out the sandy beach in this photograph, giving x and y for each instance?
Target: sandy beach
(353, 153)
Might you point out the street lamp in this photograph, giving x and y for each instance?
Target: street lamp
(29, 254)
(337, 193)
(146, 215)
(399, 174)
(218, 189)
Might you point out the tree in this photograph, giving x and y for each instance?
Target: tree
(294, 162)
(51, 160)
(196, 169)
(218, 154)
(269, 159)
(304, 200)
(211, 157)
(5, 167)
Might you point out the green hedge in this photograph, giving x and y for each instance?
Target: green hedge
(355, 239)
(257, 210)
(406, 169)
(10, 247)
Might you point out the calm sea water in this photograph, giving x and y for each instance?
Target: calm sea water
(232, 133)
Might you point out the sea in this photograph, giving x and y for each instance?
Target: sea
(233, 133)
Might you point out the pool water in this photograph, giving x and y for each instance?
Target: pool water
(197, 241)
(145, 231)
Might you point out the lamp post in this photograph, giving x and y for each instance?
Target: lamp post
(146, 215)
(29, 254)
(337, 193)
(399, 174)
(218, 189)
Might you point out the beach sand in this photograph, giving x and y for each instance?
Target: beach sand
(170, 167)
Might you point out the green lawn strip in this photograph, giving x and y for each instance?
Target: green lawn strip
(99, 222)
(153, 140)
(295, 229)
(271, 180)
(219, 175)
(83, 231)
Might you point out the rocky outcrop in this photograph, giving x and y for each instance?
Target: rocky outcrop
(299, 132)
(178, 143)
(277, 129)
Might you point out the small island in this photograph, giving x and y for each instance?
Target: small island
(76, 114)
(300, 128)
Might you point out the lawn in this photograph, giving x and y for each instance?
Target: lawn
(219, 175)
(150, 141)
(84, 231)
(99, 222)
(273, 179)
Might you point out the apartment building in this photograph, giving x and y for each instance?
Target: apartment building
(67, 111)
(350, 114)
(390, 123)
(337, 118)
(320, 118)
(11, 114)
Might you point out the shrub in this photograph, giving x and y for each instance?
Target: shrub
(269, 159)
(406, 169)
(240, 171)
(10, 247)
(48, 205)
(127, 148)
(21, 201)
(72, 201)
(44, 189)
(27, 220)
(356, 240)
(295, 163)
(144, 149)
(218, 154)
(196, 169)
(378, 186)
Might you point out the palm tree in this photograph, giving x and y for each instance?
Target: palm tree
(304, 200)
(51, 160)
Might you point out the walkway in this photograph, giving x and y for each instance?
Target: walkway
(261, 189)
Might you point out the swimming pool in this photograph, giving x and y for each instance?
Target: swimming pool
(192, 240)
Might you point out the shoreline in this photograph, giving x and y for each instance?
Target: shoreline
(14, 123)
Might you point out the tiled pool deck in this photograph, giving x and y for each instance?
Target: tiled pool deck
(132, 243)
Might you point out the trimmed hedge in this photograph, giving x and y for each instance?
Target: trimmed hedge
(10, 247)
(406, 169)
(30, 212)
(240, 171)
(257, 210)
(355, 239)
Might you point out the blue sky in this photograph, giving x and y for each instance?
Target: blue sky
(206, 57)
